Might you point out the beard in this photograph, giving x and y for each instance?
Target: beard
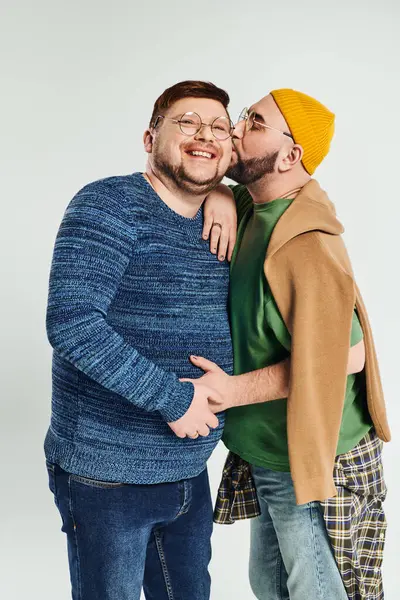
(183, 179)
(251, 170)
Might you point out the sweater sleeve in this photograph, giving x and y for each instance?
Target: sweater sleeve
(92, 251)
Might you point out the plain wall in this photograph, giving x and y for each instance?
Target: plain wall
(78, 82)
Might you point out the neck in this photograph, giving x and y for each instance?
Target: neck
(185, 204)
(268, 189)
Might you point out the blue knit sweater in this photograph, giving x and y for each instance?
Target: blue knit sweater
(134, 290)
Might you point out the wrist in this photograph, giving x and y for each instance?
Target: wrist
(179, 402)
(237, 390)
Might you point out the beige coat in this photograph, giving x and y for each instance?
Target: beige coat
(311, 279)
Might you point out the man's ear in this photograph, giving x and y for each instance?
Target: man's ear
(148, 141)
(294, 156)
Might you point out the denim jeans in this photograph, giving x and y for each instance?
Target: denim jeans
(122, 538)
(291, 555)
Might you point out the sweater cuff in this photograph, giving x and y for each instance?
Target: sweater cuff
(178, 402)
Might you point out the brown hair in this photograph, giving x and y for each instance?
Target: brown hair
(188, 89)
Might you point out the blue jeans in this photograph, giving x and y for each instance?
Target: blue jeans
(291, 556)
(124, 537)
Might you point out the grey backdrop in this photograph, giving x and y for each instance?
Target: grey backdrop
(78, 81)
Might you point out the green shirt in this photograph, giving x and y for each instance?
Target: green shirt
(258, 432)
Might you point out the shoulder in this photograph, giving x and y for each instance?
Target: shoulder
(243, 199)
(119, 188)
(305, 273)
(115, 196)
(241, 193)
(106, 204)
(316, 255)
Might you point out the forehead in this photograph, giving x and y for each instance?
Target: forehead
(266, 107)
(269, 111)
(205, 107)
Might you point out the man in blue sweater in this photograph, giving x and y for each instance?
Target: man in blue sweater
(134, 291)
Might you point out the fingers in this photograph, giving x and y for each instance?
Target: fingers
(222, 238)
(223, 244)
(203, 430)
(203, 363)
(214, 238)
(208, 221)
(212, 420)
(178, 431)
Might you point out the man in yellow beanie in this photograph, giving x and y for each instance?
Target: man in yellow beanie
(306, 414)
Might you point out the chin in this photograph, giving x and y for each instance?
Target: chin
(202, 177)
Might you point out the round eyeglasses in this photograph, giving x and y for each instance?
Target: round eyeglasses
(251, 118)
(190, 124)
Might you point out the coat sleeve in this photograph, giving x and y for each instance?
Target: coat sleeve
(316, 297)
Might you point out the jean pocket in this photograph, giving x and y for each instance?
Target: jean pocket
(96, 483)
(51, 472)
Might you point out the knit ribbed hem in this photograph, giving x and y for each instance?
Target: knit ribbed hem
(131, 465)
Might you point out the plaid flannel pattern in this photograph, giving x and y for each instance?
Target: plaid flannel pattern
(354, 519)
(237, 496)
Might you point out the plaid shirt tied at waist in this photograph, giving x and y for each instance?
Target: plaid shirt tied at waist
(354, 518)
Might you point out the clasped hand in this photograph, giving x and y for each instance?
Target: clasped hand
(214, 393)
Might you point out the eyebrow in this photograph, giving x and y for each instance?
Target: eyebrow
(210, 117)
(259, 117)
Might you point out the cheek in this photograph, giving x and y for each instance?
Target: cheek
(175, 152)
(226, 156)
(169, 149)
(249, 146)
(253, 147)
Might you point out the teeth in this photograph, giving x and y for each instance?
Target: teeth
(198, 153)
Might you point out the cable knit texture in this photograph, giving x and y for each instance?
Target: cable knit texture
(134, 290)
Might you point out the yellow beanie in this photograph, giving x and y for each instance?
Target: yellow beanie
(310, 122)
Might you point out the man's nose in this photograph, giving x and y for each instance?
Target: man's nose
(238, 131)
(204, 133)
